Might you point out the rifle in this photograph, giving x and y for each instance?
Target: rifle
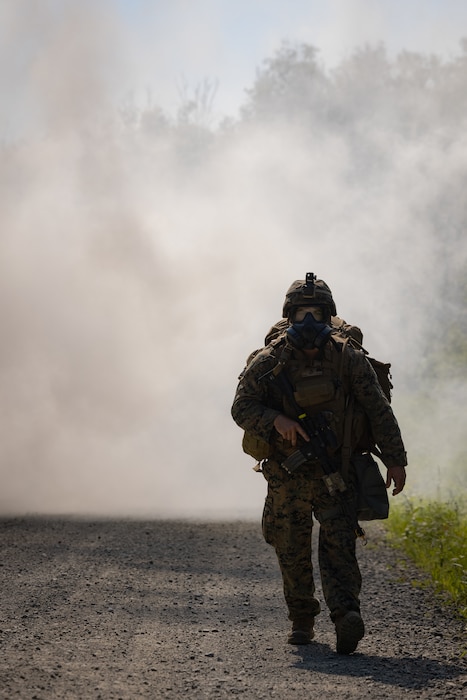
(322, 441)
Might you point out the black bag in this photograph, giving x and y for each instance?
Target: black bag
(372, 495)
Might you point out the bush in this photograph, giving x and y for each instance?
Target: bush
(434, 535)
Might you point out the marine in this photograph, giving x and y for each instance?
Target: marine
(307, 370)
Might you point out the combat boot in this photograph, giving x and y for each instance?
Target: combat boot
(349, 630)
(302, 631)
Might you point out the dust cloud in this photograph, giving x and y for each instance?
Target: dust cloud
(142, 260)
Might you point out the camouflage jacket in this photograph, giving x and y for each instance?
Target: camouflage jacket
(258, 400)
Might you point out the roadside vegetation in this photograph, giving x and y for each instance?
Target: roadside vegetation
(434, 535)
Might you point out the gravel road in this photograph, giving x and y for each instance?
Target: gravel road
(165, 609)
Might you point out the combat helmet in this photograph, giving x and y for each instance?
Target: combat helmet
(308, 292)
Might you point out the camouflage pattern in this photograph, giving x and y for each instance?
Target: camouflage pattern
(301, 294)
(292, 499)
(287, 526)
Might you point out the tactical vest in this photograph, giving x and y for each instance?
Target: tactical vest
(353, 433)
(317, 387)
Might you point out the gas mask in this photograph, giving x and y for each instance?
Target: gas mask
(309, 333)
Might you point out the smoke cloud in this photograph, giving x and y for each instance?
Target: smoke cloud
(143, 258)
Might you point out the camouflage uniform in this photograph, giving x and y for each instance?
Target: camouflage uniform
(323, 384)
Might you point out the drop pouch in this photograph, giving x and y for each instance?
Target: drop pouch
(372, 495)
(255, 447)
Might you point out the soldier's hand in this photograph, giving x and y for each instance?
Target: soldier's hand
(288, 429)
(396, 475)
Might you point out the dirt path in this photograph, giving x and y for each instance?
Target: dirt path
(164, 609)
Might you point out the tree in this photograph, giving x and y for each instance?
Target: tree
(291, 84)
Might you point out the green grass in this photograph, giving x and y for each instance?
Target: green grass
(434, 535)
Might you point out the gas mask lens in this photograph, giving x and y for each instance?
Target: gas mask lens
(302, 311)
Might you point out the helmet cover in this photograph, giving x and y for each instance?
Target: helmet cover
(308, 292)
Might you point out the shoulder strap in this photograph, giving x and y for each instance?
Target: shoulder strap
(347, 439)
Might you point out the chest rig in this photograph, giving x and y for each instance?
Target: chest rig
(318, 385)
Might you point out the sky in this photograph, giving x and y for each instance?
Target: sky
(157, 52)
(133, 285)
(188, 41)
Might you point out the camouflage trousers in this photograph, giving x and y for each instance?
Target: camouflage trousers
(287, 526)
